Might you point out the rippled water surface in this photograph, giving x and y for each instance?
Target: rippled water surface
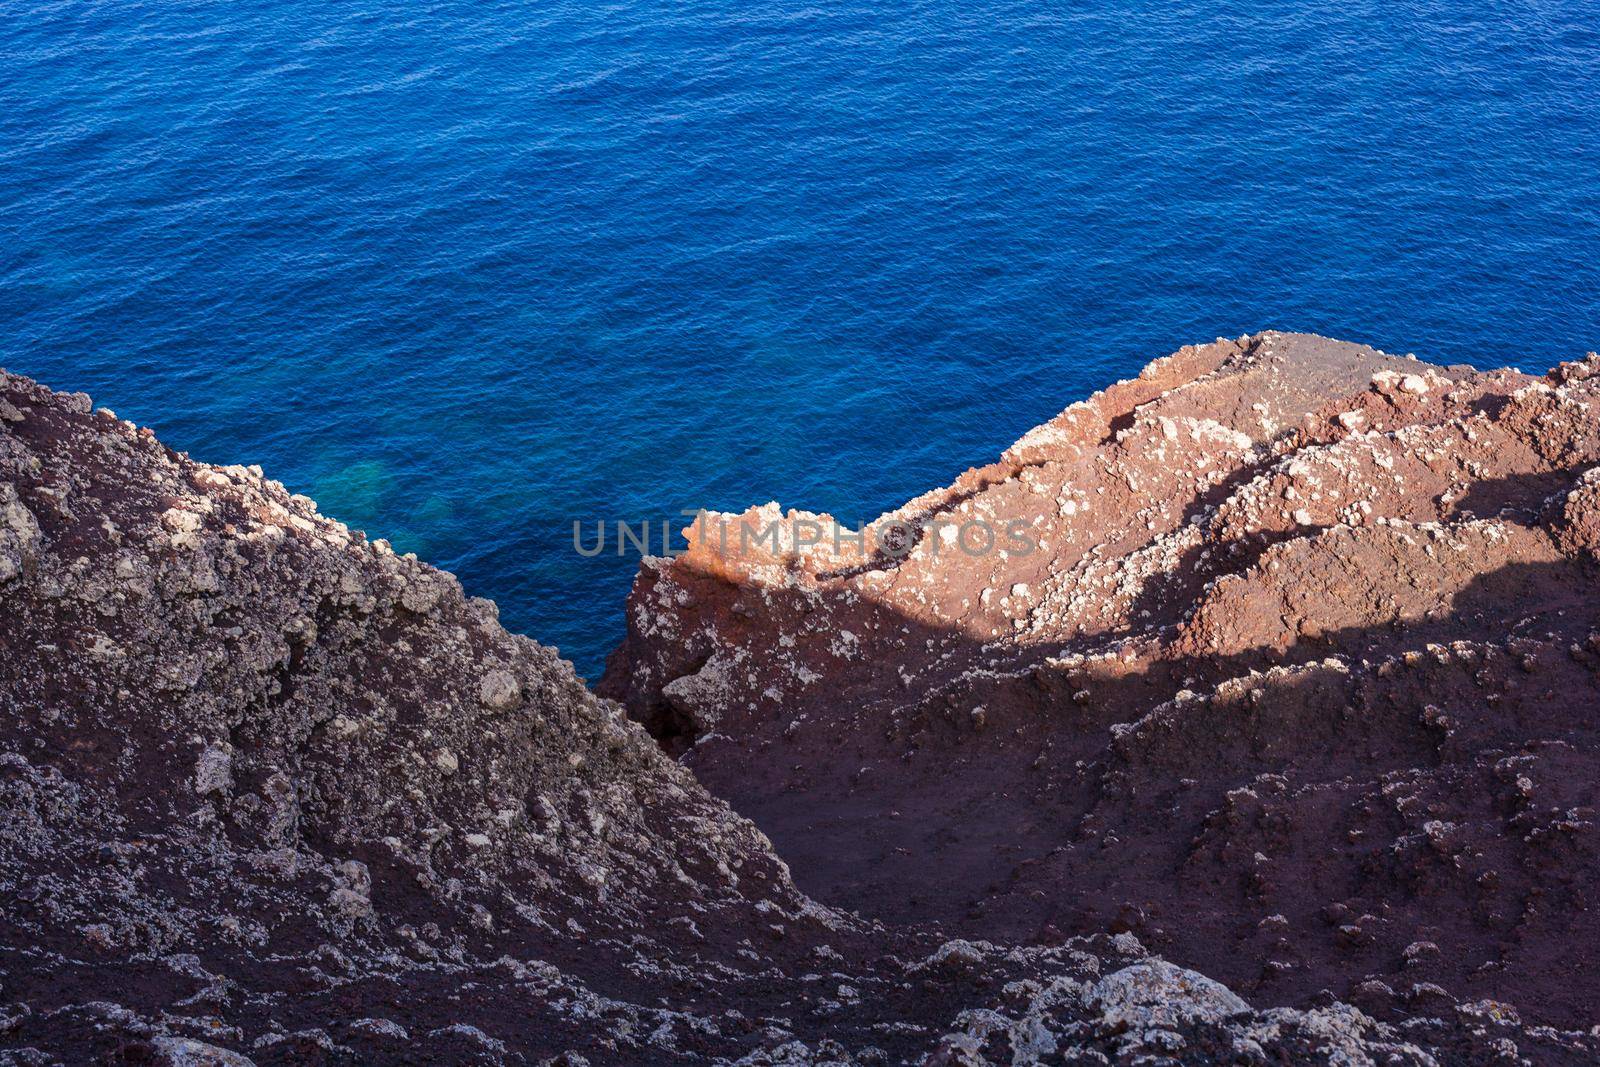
(465, 272)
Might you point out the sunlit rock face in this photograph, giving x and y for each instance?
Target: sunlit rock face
(1296, 680)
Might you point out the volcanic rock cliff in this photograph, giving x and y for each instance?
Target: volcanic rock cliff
(1297, 692)
(1300, 687)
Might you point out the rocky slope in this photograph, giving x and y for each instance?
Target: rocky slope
(270, 793)
(1300, 687)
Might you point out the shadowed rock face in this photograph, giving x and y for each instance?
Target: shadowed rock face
(1300, 686)
(270, 793)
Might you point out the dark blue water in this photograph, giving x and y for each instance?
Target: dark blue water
(467, 271)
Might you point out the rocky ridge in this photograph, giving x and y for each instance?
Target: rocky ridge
(271, 793)
(1299, 686)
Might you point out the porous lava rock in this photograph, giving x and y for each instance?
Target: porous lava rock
(271, 793)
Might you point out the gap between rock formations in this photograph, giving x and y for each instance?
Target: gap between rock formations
(1299, 695)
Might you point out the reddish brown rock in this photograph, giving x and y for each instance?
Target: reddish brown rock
(1308, 632)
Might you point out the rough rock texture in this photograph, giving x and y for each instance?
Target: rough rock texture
(1302, 685)
(271, 794)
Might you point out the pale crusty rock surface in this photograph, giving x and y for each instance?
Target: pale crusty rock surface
(270, 793)
(1300, 686)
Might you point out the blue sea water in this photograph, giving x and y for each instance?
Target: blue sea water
(467, 271)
